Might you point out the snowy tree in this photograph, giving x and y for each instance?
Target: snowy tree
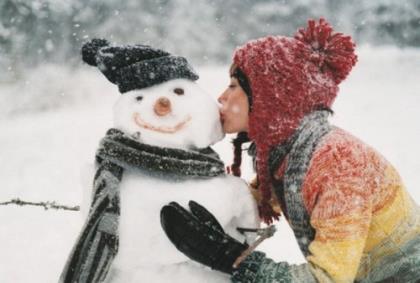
(34, 32)
(194, 32)
(389, 22)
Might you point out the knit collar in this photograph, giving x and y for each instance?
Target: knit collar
(266, 163)
(124, 151)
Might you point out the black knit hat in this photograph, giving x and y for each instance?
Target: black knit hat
(135, 66)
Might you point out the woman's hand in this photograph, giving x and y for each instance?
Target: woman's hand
(198, 235)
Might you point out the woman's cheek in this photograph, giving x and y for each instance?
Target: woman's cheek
(235, 109)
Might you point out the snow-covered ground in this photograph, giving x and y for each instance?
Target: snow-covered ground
(42, 152)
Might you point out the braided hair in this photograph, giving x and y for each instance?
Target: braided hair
(242, 137)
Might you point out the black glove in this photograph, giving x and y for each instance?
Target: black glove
(199, 236)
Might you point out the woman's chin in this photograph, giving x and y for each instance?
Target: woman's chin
(230, 130)
(226, 129)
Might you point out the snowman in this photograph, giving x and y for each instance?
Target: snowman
(158, 151)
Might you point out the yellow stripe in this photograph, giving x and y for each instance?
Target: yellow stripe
(340, 259)
(386, 220)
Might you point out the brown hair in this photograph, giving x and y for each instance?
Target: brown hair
(241, 138)
(237, 73)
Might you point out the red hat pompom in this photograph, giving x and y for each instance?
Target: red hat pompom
(332, 52)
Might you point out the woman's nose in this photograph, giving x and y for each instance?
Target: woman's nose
(221, 98)
(162, 106)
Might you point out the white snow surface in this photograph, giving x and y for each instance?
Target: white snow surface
(43, 153)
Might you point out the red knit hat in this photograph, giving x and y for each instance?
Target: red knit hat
(289, 78)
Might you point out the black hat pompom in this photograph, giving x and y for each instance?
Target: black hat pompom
(90, 50)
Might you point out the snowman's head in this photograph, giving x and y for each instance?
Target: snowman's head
(176, 114)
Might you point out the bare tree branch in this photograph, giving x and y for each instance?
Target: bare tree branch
(46, 205)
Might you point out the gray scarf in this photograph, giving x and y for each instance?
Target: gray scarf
(298, 149)
(299, 154)
(97, 244)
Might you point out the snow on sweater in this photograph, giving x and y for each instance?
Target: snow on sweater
(367, 227)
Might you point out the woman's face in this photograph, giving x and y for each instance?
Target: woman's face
(234, 108)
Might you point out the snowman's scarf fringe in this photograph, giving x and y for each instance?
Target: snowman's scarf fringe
(97, 244)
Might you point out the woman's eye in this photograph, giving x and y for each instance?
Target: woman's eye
(179, 91)
(232, 86)
(139, 98)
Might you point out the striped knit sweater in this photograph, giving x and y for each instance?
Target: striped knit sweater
(365, 226)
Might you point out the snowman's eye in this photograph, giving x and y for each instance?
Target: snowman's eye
(139, 98)
(179, 91)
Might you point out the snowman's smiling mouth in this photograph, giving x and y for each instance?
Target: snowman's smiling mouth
(161, 129)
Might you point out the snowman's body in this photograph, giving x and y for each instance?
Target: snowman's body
(145, 254)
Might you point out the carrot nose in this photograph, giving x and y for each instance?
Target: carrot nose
(162, 106)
